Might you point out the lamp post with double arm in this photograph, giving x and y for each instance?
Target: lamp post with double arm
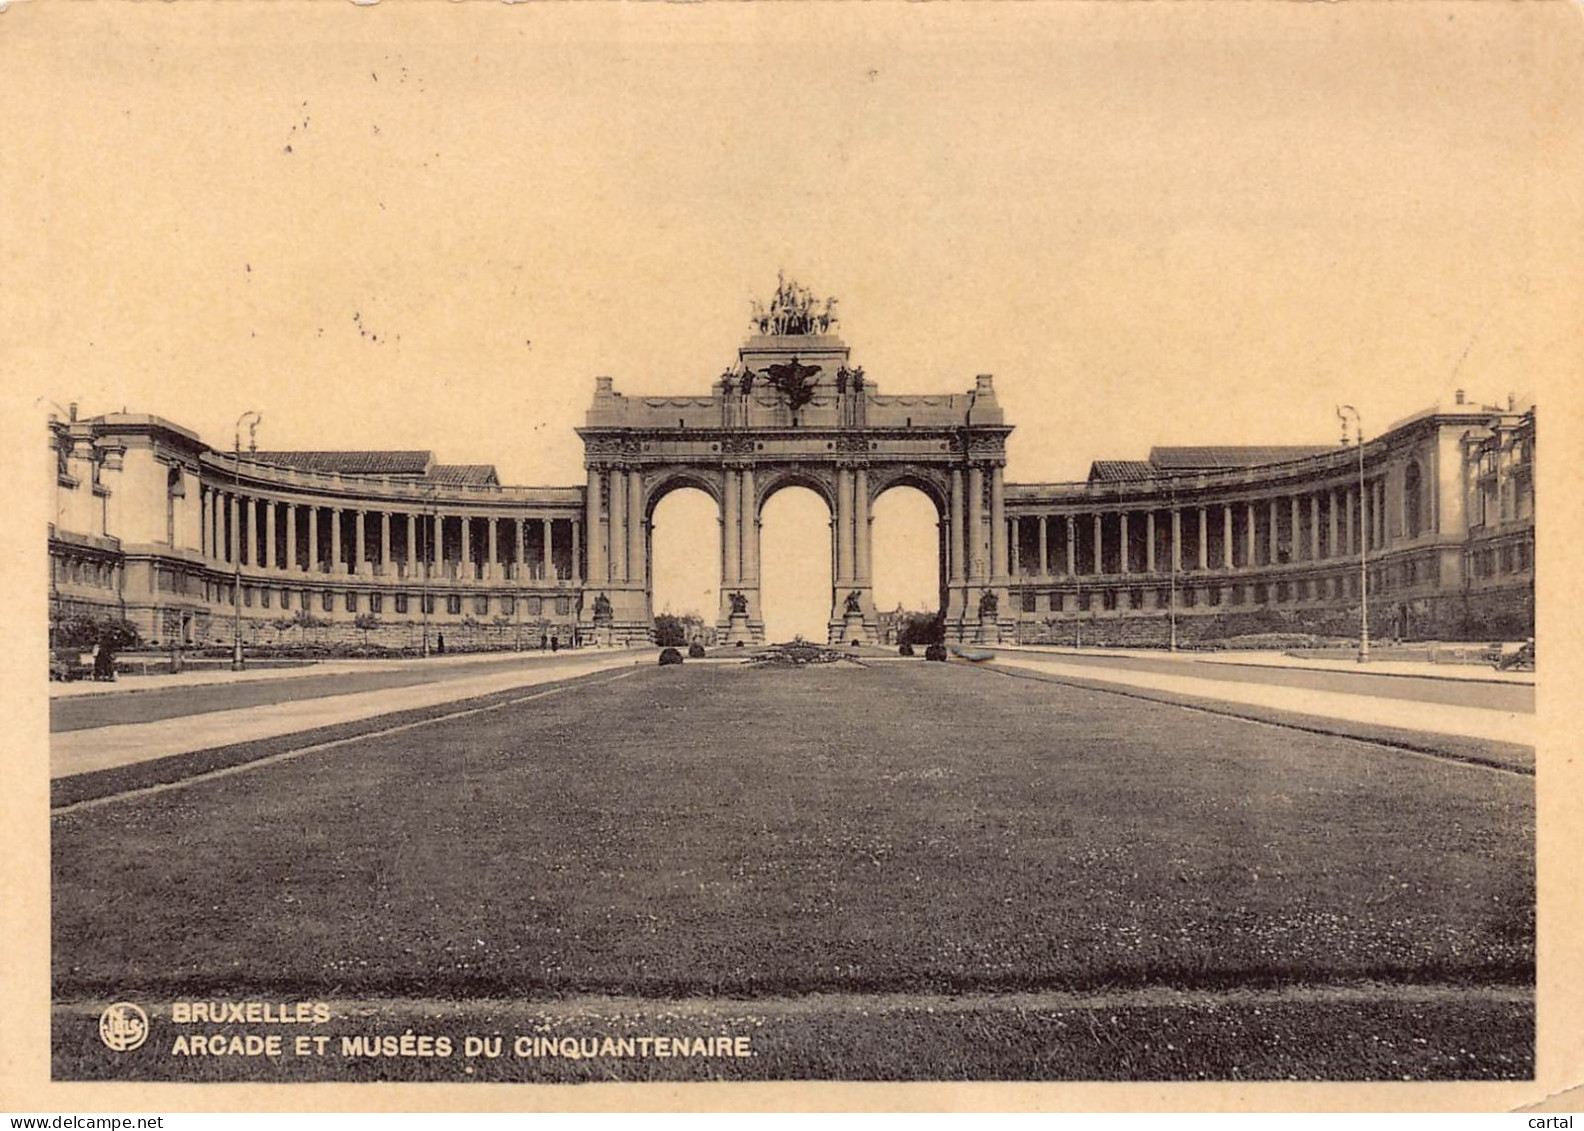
(253, 419)
(1344, 413)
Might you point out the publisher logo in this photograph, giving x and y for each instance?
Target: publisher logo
(123, 1026)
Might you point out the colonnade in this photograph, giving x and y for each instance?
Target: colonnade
(1314, 526)
(314, 538)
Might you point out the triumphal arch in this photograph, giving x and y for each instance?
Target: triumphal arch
(794, 410)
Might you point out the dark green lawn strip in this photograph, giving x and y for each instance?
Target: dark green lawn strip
(131, 704)
(1253, 1040)
(725, 831)
(1480, 752)
(160, 771)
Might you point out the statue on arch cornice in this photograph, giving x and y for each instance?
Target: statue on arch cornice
(793, 312)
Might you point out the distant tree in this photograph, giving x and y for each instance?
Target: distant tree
(923, 628)
(366, 623)
(305, 620)
(670, 632)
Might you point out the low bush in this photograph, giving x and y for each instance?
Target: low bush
(695, 650)
(906, 649)
(935, 652)
(670, 656)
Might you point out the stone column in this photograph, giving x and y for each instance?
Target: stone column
(731, 541)
(236, 530)
(1347, 510)
(1044, 549)
(205, 521)
(385, 544)
(1275, 542)
(1072, 547)
(597, 570)
(437, 544)
(1204, 538)
(637, 550)
(1122, 559)
(267, 557)
(976, 562)
(291, 538)
(313, 539)
(1014, 537)
(748, 527)
(250, 531)
(860, 525)
(958, 528)
(1250, 548)
(1314, 527)
(1176, 540)
(547, 549)
(358, 563)
(1099, 543)
(336, 561)
(1149, 541)
(844, 526)
(577, 574)
(1334, 501)
(412, 541)
(493, 544)
(618, 526)
(998, 527)
(1296, 540)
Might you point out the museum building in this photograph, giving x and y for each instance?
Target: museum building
(191, 543)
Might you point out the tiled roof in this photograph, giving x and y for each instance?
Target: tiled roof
(1120, 471)
(471, 474)
(350, 463)
(1206, 458)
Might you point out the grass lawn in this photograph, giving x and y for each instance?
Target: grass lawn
(716, 831)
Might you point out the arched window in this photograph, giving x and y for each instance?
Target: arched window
(1413, 493)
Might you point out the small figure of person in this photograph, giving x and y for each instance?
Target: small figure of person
(440, 644)
(555, 644)
(544, 641)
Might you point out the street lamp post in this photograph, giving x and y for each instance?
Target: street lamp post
(430, 510)
(1343, 413)
(1176, 554)
(238, 662)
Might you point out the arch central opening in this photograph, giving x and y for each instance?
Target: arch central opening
(795, 565)
(684, 548)
(907, 551)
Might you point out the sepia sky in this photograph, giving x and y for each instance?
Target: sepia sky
(431, 226)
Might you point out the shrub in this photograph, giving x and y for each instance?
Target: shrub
(906, 649)
(695, 650)
(935, 652)
(83, 632)
(670, 656)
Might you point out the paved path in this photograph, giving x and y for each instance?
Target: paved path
(105, 747)
(1478, 673)
(1371, 708)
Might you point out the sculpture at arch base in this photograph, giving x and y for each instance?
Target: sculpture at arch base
(852, 625)
(989, 627)
(738, 630)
